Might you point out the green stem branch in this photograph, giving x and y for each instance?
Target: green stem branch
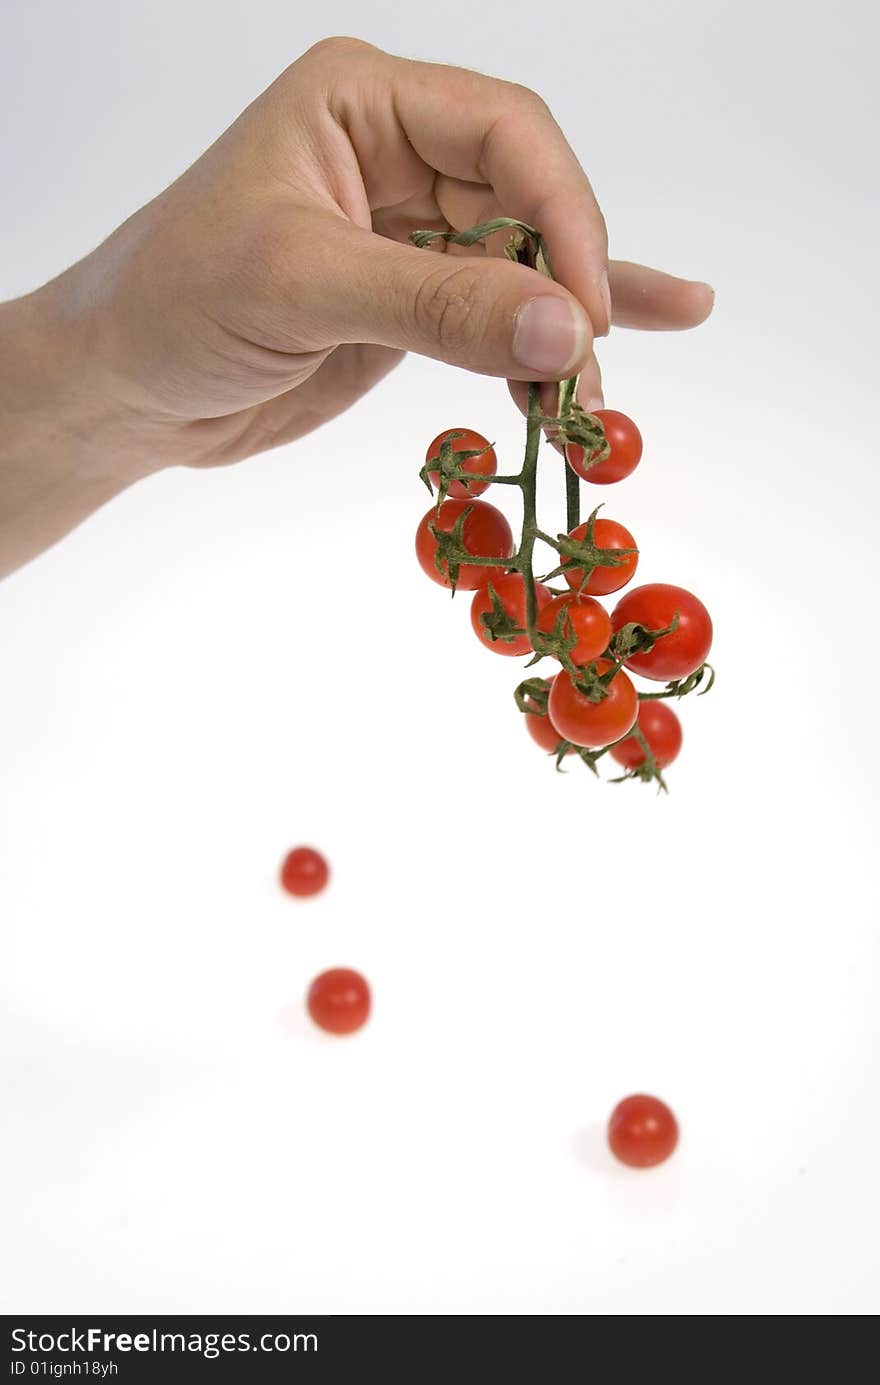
(529, 485)
(572, 497)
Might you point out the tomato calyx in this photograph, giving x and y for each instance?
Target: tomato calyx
(451, 553)
(531, 697)
(556, 643)
(584, 430)
(637, 639)
(591, 683)
(585, 554)
(449, 464)
(648, 771)
(498, 623)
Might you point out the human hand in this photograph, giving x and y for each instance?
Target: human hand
(273, 283)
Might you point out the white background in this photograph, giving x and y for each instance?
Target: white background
(204, 675)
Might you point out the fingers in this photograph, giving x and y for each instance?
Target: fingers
(485, 314)
(481, 131)
(657, 302)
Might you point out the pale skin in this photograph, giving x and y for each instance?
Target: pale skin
(273, 284)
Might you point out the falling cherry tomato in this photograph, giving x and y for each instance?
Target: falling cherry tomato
(661, 728)
(642, 1131)
(484, 464)
(625, 441)
(304, 872)
(339, 1000)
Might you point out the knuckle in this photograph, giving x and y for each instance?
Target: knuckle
(529, 98)
(337, 47)
(447, 307)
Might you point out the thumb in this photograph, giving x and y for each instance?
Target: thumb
(488, 315)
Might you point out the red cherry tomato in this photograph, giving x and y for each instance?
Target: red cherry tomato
(642, 1131)
(304, 871)
(486, 464)
(511, 592)
(486, 534)
(661, 728)
(681, 651)
(584, 618)
(626, 450)
(339, 1000)
(543, 732)
(593, 724)
(607, 533)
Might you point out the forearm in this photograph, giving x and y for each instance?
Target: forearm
(66, 445)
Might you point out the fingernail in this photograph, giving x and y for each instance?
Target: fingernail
(605, 289)
(594, 403)
(549, 335)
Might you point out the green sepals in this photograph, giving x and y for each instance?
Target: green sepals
(682, 686)
(561, 752)
(498, 623)
(584, 553)
(637, 639)
(648, 771)
(590, 683)
(556, 643)
(565, 402)
(574, 424)
(451, 552)
(532, 695)
(590, 757)
(448, 465)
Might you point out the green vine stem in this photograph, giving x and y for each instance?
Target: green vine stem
(572, 498)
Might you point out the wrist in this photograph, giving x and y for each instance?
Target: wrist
(62, 409)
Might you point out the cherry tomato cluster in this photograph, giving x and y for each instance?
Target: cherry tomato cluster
(660, 632)
(589, 705)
